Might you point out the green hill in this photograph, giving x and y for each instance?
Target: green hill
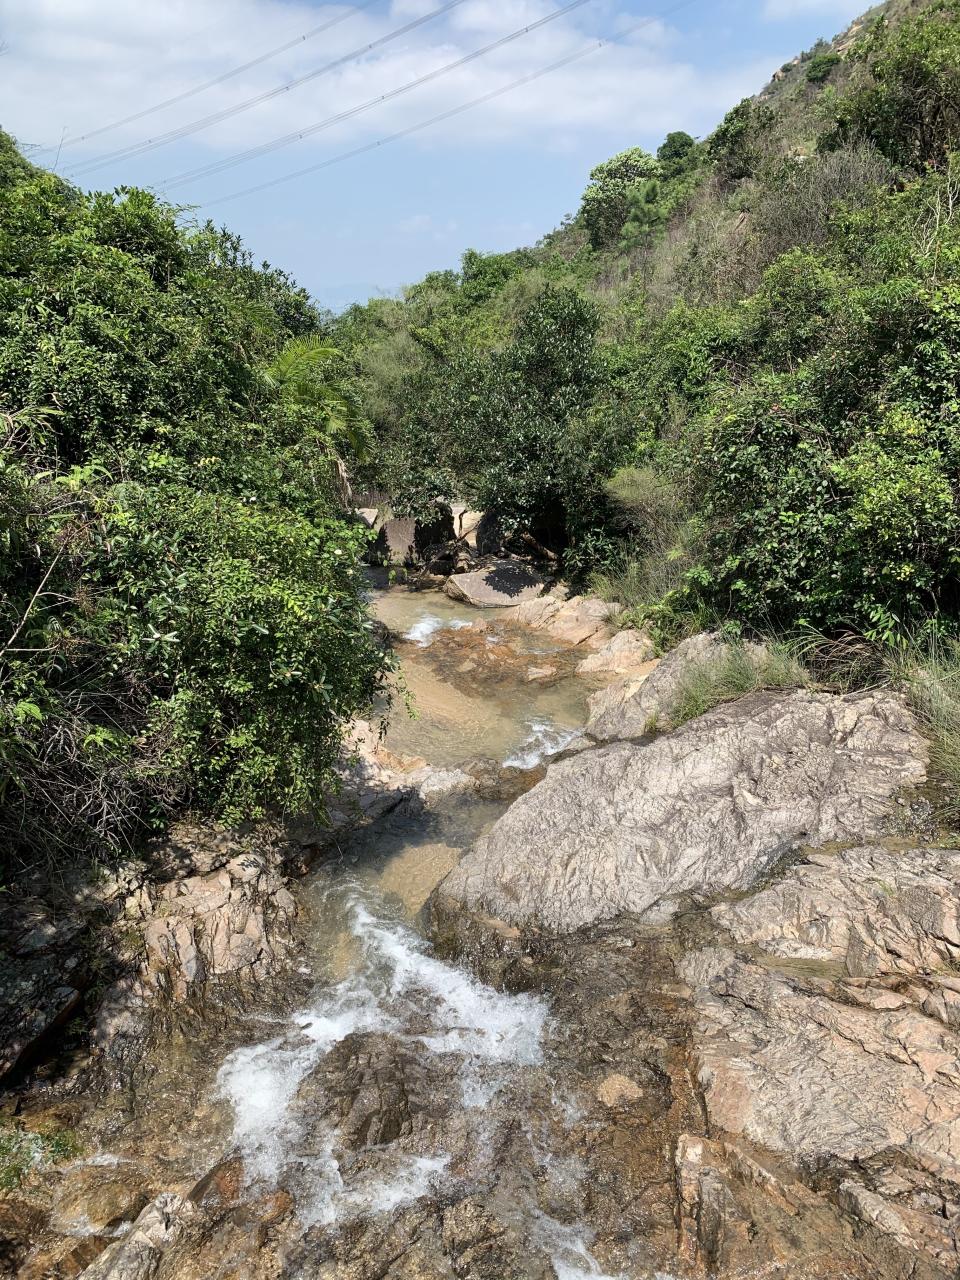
(727, 386)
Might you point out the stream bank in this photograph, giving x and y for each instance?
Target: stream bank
(428, 1086)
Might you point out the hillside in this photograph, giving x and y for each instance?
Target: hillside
(725, 389)
(727, 386)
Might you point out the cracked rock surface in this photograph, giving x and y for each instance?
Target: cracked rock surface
(634, 827)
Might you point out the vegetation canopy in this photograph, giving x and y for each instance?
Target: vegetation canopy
(181, 617)
(727, 388)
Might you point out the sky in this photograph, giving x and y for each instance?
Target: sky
(495, 176)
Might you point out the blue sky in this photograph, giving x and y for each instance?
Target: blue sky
(491, 178)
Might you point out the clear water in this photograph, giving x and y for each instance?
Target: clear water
(515, 722)
(376, 975)
(395, 986)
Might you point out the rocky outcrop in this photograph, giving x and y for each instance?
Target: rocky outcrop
(570, 621)
(878, 912)
(139, 1253)
(644, 700)
(628, 653)
(856, 1061)
(498, 586)
(44, 973)
(637, 827)
(233, 923)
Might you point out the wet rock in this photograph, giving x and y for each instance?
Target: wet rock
(617, 1090)
(642, 700)
(138, 1254)
(501, 584)
(378, 1090)
(43, 974)
(573, 621)
(627, 653)
(715, 805)
(234, 923)
(21, 1221)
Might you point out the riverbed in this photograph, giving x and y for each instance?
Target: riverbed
(480, 1056)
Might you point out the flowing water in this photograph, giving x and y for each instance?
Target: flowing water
(510, 719)
(402, 1076)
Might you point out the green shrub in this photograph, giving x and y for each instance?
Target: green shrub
(907, 99)
(738, 147)
(929, 671)
(181, 616)
(821, 66)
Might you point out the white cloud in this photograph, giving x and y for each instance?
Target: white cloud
(83, 64)
(425, 224)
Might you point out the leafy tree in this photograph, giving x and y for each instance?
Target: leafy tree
(908, 99)
(676, 154)
(737, 146)
(181, 616)
(606, 201)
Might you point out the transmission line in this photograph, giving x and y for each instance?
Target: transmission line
(253, 153)
(593, 47)
(220, 79)
(184, 131)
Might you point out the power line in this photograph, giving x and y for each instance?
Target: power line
(253, 153)
(184, 131)
(226, 75)
(453, 111)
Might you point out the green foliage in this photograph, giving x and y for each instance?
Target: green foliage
(606, 201)
(677, 154)
(181, 619)
(739, 670)
(821, 66)
(738, 146)
(928, 669)
(760, 421)
(907, 101)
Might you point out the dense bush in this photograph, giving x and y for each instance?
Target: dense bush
(730, 384)
(907, 102)
(181, 620)
(606, 201)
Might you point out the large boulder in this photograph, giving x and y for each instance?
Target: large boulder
(853, 1057)
(498, 586)
(577, 620)
(634, 827)
(628, 653)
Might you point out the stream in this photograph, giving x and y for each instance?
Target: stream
(446, 1064)
(379, 1112)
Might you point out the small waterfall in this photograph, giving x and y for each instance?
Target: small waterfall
(544, 739)
(400, 989)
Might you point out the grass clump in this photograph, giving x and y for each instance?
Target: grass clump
(23, 1150)
(929, 674)
(739, 670)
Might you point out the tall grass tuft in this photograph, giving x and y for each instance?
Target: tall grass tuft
(740, 669)
(929, 673)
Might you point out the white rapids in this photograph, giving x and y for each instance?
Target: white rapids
(399, 988)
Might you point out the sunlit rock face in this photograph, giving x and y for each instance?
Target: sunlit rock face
(634, 827)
